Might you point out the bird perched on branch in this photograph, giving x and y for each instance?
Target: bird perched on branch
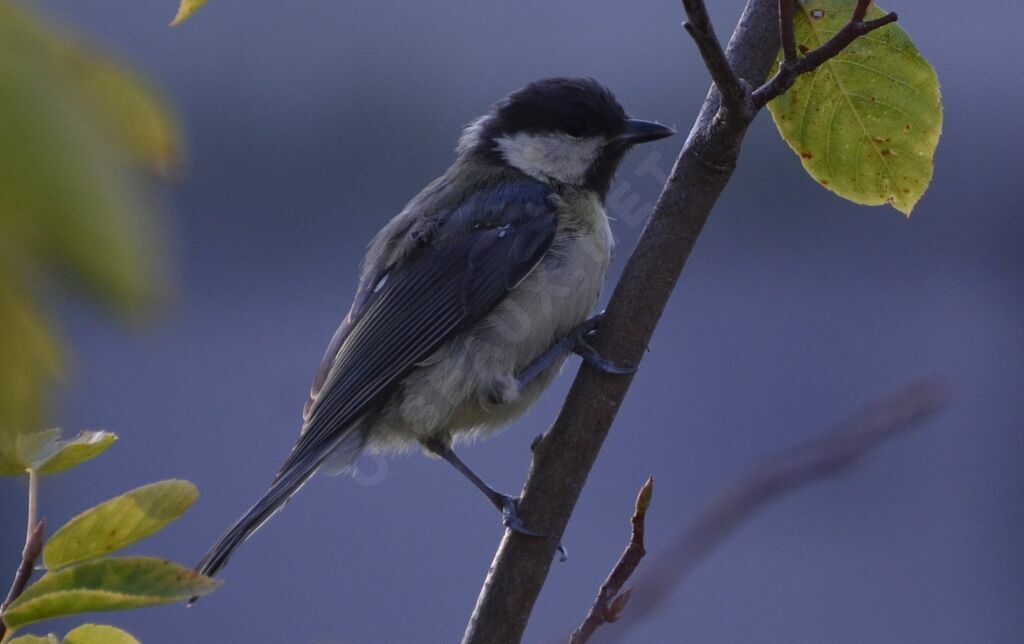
(471, 298)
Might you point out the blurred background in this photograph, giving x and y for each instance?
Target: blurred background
(307, 125)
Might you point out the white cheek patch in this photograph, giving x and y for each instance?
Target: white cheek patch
(550, 156)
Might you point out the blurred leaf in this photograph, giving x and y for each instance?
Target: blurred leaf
(185, 10)
(119, 522)
(68, 201)
(35, 447)
(69, 453)
(35, 639)
(106, 584)
(135, 116)
(99, 634)
(30, 362)
(866, 123)
(74, 126)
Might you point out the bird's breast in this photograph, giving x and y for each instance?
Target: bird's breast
(562, 290)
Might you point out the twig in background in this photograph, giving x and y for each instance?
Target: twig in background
(818, 458)
(609, 602)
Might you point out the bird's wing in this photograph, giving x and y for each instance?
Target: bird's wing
(471, 259)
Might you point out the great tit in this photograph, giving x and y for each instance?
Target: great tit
(471, 298)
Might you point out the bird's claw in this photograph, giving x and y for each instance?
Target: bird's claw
(510, 519)
(586, 332)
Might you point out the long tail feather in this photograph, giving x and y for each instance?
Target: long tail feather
(284, 487)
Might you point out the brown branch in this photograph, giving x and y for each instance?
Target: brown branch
(772, 477)
(786, 30)
(735, 95)
(33, 548)
(609, 603)
(564, 456)
(792, 67)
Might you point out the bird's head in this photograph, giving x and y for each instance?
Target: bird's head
(569, 130)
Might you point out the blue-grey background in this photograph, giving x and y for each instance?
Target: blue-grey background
(309, 124)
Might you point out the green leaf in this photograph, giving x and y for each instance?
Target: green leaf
(99, 634)
(107, 584)
(45, 452)
(35, 639)
(76, 125)
(866, 123)
(119, 522)
(67, 200)
(30, 364)
(66, 454)
(185, 10)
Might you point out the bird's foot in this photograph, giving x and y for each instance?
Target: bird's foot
(510, 519)
(582, 335)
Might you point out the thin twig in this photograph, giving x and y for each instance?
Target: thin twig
(792, 67)
(786, 30)
(609, 603)
(735, 96)
(34, 538)
(818, 458)
(860, 10)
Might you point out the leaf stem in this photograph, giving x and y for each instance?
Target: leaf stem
(33, 503)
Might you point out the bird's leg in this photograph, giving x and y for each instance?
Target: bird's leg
(506, 504)
(578, 342)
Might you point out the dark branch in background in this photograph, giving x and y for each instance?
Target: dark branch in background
(609, 603)
(792, 67)
(564, 456)
(29, 554)
(818, 458)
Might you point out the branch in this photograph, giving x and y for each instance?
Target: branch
(609, 603)
(735, 95)
(792, 67)
(564, 456)
(34, 538)
(786, 30)
(772, 477)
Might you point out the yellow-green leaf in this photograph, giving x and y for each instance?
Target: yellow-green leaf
(30, 364)
(35, 639)
(119, 522)
(35, 447)
(68, 201)
(866, 123)
(185, 10)
(75, 125)
(66, 454)
(45, 452)
(133, 114)
(106, 584)
(99, 634)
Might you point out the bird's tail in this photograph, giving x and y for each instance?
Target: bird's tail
(284, 487)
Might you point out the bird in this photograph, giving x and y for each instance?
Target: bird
(471, 298)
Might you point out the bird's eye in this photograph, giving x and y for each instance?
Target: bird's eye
(575, 127)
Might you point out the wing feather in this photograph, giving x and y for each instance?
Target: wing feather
(477, 254)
